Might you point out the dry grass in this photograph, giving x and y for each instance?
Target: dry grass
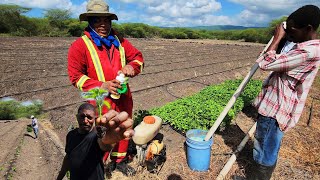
(301, 145)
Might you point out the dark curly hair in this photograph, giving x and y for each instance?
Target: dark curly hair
(306, 15)
(85, 106)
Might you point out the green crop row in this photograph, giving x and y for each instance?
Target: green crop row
(200, 110)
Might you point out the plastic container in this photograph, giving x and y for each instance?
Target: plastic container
(121, 77)
(146, 130)
(198, 150)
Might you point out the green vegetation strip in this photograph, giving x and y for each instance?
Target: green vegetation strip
(12, 109)
(200, 110)
(59, 23)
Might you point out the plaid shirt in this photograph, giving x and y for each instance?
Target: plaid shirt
(285, 91)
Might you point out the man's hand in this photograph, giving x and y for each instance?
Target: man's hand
(119, 126)
(128, 70)
(111, 86)
(278, 35)
(279, 32)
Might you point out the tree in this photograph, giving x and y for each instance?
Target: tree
(274, 23)
(75, 27)
(11, 19)
(58, 18)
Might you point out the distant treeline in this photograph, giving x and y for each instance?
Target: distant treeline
(58, 23)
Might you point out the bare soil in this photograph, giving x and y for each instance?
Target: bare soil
(36, 68)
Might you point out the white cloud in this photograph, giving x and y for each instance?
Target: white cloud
(274, 6)
(171, 13)
(179, 8)
(261, 12)
(43, 4)
(78, 9)
(249, 19)
(204, 12)
(181, 12)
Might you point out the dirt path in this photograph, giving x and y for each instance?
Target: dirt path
(31, 163)
(23, 157)
(12, 136)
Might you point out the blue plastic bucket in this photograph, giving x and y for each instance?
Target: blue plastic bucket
(198, 150)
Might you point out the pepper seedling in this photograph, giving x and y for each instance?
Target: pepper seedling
(97, 95)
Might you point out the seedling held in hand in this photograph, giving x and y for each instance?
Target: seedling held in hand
(98, 95)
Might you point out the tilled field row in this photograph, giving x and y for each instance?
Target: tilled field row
(30, 72)
(199, 63)
(12, 139)
(9, 88)
(73, 97)
(172, 69)
(44, 160)
(23, 157)
(26, 68)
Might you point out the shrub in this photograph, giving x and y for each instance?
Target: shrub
(200, 110)
(12, 109)
(29, 128)
(8, 109)
(27, 108)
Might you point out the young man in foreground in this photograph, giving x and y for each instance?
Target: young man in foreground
(85, 147)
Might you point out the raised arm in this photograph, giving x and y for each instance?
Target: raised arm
(118, 126)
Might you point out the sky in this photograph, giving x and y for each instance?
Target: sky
(179, 13)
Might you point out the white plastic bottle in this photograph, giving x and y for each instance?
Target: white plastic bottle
(122, 79)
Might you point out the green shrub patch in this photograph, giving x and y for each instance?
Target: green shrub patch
(12, 109)
(200, 110)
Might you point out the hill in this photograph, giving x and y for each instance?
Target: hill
(221, 27)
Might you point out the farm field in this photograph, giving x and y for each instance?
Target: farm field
(36, 68)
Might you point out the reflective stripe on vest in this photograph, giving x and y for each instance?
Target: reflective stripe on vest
(117, 154)
(81, 81)
(122, 53)
(140, 63)
(96, 60)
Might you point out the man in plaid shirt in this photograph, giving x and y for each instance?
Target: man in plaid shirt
(284, 92)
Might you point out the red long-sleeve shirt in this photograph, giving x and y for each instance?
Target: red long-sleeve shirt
(83, 75)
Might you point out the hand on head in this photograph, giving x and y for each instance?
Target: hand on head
(279, 32)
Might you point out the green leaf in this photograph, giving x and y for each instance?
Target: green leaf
(98, 95)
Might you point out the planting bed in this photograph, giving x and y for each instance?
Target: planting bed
(36, 68)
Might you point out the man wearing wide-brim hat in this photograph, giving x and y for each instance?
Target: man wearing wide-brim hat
(94, 61)
(97, 8)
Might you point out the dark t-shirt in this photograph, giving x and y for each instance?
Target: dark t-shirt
(84, 155)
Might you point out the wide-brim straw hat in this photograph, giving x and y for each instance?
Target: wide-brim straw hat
(97, 8)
